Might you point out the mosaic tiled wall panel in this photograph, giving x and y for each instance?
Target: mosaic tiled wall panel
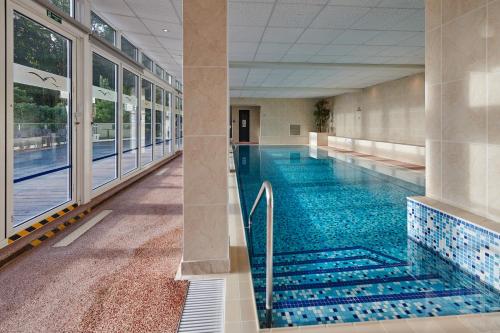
(473, 248)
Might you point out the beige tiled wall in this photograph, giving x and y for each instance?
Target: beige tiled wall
(392, 111)
(462, 104)
(276, 115)
(206, 240)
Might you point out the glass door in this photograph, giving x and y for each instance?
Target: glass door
(159, 95)
(40, 82)
(130, 122)
(146, 122)
(104, 121)
(168, 123)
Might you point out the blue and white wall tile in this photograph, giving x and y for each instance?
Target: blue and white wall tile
(473, 248)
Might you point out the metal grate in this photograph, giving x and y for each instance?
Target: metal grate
(204, 308)
(294, 130)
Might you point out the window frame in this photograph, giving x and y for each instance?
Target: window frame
(67, 31)
(115, 33)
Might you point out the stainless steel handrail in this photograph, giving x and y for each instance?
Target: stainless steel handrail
(266, 186)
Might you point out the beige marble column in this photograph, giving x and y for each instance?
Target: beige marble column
(206, 240)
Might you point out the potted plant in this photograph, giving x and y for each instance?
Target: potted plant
(321, 117)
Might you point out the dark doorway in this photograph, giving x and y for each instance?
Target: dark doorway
(244, 125)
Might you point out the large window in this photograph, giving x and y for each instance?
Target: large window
(168, 122)
(102, 29)
(178, 131)
(159, 95)
(168, 78)
(160, 72)
(66, 6)
(104, 121)
(129, 49)
(147, 62)
(130, 122)
(41, 139)
(146, 122)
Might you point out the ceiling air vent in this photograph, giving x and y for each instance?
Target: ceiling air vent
(294, 130)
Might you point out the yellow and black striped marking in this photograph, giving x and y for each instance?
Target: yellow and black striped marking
(38, 225)
(47, 235)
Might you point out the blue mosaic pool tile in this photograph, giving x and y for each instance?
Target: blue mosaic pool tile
(341, 248)
(473, 248)
(329, 270)
(371, 298)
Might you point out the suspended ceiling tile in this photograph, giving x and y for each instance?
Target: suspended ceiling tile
(154, 9)
(390, 37)
(171, 44)
(235, 56)
(414, 22)
(126, 23)
(416, 40)
(294, 15)
(268, 57)
(359, 3)
(307, 2)
(283, 35)
(245, 34)
(157, 29)
(399, 51)
(336, 50)
(243, 47)
(383, 18)
(337, 17)
(112, 7)
(278, 48)
(355, 37)
(402, 4)
(249, 14)
(296, 57)
(305, 49)
(319, 36)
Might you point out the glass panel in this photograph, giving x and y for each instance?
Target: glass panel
(42, 115)
(101, 28)
(168, 123)
(104, 119)
(147, 62)
(65, 5)
(159, 71)
(159, 95)
(169, 79)
(181, 132)
(129, 49)
(130, 122)
(146, 122)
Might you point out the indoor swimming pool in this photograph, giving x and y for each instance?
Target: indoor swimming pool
(341, 249)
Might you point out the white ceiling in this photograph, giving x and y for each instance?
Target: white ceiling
(383, 32)
(326, 32)
(142, 22)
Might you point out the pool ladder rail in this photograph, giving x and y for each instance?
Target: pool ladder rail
(268, 189)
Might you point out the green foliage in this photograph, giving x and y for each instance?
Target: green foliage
(65, 5)
(321, 115)
(38, 105)
(104, 111)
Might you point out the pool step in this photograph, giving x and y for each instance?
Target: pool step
(352, 283)
(371, 287)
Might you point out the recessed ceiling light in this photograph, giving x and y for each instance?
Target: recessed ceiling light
(165, 30)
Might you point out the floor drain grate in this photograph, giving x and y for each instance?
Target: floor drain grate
(204, 308)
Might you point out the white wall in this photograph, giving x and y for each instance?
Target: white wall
(276, 115)
(392, 111)
(463, 105)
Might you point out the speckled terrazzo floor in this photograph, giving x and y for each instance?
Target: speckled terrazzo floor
(117, 277)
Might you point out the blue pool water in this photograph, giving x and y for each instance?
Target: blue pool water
(341, 251)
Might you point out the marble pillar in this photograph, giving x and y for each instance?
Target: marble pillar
(206, 239)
